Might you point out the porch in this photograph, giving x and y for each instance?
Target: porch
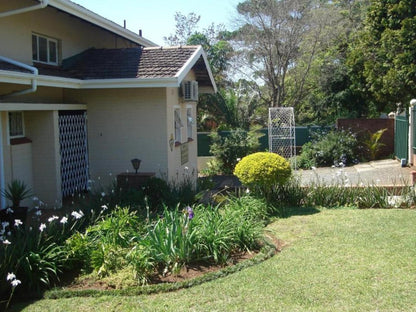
(45, 146)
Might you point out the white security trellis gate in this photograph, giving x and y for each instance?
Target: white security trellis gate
(74, 151)
(282, 131)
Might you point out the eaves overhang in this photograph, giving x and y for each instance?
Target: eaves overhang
(70, 83)
(199, 52)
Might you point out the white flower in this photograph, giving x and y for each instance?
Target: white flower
(77, 215)
(34, 198)
(102, 194)
(9, 210)
(6, 242)
(38, 213)
(17, 222)
(10, 276)
(247, 191)
(42, 227)
(53, 218)
(104, 207)
(16, 282)
(64, 220)
(313, 168)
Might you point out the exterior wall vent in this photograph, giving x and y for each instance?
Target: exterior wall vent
(190, 90)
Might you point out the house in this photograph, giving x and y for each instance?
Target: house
(80, 96)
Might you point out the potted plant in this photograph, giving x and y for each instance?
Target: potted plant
(15, 192)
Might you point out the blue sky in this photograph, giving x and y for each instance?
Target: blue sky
(156, 17)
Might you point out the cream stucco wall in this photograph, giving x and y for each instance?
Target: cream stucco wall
(124, 124)
(74, 35)
(17, 159)
(179, 171)
(42, 128)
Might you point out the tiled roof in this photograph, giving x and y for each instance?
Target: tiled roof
(141, 63)
(128, 63)
(11, 67)
(118, 63)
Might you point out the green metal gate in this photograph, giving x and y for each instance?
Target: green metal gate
(401, 137)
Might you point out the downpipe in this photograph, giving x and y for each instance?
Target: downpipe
(32, 69)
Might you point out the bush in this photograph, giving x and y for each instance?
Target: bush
(263, 170)
(228, 149)
(337, 147)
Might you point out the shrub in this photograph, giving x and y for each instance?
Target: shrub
(228, 149)
(263, 170)
(326, 149)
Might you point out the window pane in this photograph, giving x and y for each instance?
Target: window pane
(34, 48)
(16, 124)
(43, 49)
(52, 51)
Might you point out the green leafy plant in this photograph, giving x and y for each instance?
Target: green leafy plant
(262, 171)
(16, 191)
(170, 241)
(372, 143)
(337, 147)
(234, 146)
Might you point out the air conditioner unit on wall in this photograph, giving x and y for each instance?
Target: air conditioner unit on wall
(190, 90)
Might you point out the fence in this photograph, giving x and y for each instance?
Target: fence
(401, 137)
(303, 135)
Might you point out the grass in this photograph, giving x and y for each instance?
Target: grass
(335, 260)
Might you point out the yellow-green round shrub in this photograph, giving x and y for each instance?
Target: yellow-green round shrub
(263, 170)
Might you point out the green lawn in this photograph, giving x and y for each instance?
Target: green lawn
(335, 260)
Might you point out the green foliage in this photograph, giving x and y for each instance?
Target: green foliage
(386, 51)
(229, 149)
(263, 170)
(170, 241)
(337, 147)
(238, 106)
(35, 255)
(16, 191)
(372, 143)
(103, 246)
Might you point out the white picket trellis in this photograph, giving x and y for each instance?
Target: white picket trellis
(282, 138)
(74, 152)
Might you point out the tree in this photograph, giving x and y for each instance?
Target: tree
(235, 107)
(269, 38)
(185, 27)
(386, 51)
(213, 39)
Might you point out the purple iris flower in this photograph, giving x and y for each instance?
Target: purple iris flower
(190, 212)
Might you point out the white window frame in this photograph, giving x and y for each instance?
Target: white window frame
(189, 122)
(22, 126)
(177, 123)
(48, 41)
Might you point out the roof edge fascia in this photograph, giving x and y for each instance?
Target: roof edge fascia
(85, 14)
(71, 83)
(191, 62)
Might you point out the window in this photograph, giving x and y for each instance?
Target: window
(189, 122)
(16, 128)
(178, 125)
(44, 49)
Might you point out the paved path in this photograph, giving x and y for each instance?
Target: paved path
(380, 172)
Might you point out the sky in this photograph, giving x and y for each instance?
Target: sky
(156, 17)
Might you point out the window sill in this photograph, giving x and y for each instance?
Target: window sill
(190, 140)
(18, 141)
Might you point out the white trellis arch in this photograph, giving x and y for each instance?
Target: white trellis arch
(282, 138)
